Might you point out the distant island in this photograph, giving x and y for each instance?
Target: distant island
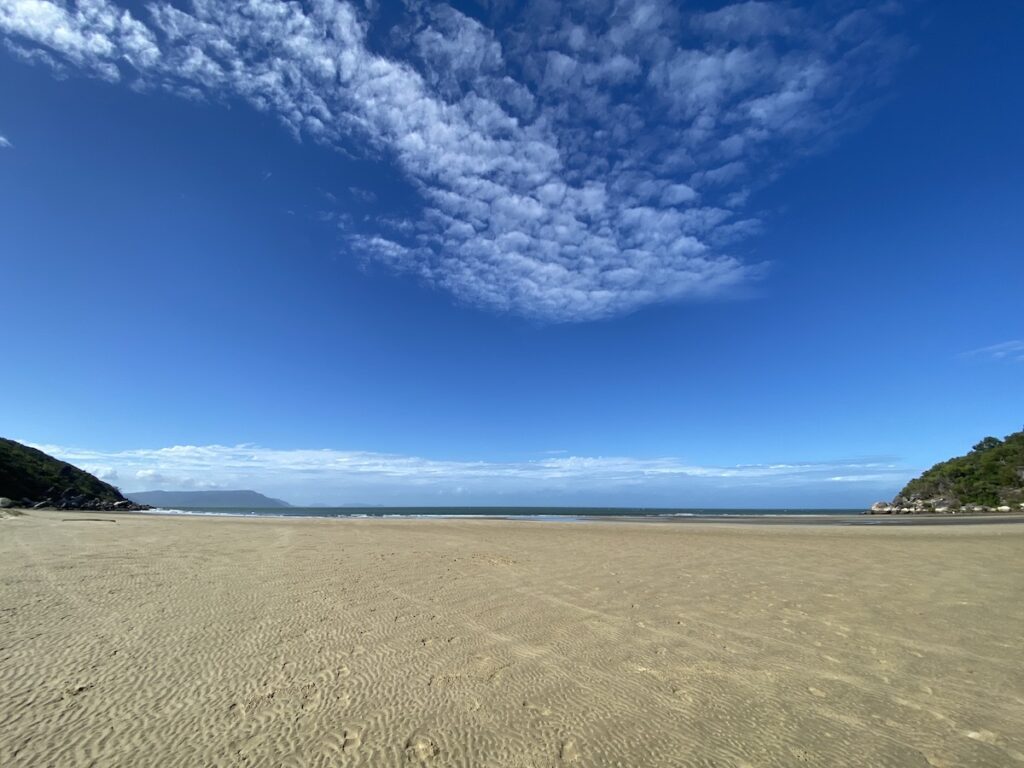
(30, 478)
(215, 499)
(988, 479)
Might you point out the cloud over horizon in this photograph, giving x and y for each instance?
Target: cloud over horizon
(572, 161)
(347, 476)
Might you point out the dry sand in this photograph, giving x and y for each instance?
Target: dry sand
(191, 642)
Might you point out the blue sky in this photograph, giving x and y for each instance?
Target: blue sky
(646, 253)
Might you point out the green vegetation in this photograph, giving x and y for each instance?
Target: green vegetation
(30, 475)
(991, 474)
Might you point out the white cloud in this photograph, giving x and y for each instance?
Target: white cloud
(5, 143)
(344, 475)
(1010, 351)
(744, 21)
(567, 171)
(107, 474)
(92, 34)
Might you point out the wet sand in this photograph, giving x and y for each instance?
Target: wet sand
(222, 641)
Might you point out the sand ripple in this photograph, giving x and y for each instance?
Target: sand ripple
(220, 642)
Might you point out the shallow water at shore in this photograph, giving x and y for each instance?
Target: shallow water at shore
(555, 513)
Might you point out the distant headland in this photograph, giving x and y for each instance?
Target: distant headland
(214, 499)
(990, 478)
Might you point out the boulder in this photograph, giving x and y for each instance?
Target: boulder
(6, 503)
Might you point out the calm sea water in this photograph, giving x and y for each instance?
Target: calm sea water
(567, 514)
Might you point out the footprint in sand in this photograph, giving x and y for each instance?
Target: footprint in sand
(346, 740)
(540, 709)
(420, 749)
(569, 752)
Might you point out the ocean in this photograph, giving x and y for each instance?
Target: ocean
(554, 514)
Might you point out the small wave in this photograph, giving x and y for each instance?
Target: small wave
(199, 513)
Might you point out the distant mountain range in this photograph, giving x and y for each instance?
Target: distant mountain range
(219, 499)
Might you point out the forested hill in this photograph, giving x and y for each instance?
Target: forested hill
(29, 477)
(991, 475)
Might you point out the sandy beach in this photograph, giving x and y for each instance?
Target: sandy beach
(135, 640)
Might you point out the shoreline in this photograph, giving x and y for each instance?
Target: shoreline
(799, 519)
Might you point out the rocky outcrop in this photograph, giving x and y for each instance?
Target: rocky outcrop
(77, 502)
(901, 506)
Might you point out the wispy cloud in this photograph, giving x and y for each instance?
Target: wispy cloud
(5, 143)
(360, 474)
(1009, 351)
(573, 160)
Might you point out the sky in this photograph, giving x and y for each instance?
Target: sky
(636, 253)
